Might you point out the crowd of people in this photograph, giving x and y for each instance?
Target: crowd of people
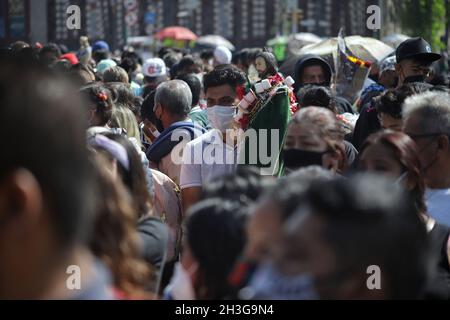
(127, 170)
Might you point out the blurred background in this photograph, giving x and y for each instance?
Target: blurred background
(284, 25)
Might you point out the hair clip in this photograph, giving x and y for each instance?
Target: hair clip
(102, 96)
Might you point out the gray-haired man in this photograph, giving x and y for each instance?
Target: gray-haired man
(427, 122)
(173, 101)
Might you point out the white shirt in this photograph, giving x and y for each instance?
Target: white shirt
(438, 203)
(206, 158)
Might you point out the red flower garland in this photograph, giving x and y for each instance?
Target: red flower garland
(240, 91)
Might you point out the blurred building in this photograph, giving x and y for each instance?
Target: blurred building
(15, 20)
(244, 22)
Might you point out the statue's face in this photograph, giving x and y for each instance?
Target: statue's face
(261, 65)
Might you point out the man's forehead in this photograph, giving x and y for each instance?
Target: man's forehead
(417, 63)
(221, 92)
(314, 67)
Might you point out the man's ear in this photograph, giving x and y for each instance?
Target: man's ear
(443, 143)
(398, 69)
(155, 107)
(20, 196)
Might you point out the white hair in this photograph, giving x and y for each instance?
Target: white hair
(433, 108)
(175, 96)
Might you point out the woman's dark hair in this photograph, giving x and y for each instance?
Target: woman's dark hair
(216, 237)
(244, 186)
(391, 101)
(405, 151)
(147, 107)
(122, 95)
(134, 178)
(318, 96)
(98, 96)
(114, 239)
(224, 74)
(194, 84)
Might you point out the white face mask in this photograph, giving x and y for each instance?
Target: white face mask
(180, 287)
(221, 117)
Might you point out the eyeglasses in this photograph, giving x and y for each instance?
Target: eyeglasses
(416, 137)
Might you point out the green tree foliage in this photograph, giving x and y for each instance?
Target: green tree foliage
(426, 18)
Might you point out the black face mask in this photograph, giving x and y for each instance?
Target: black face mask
(296, 158)
(419, 78)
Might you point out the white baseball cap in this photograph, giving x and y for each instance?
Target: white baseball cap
(154, 67)
(222, 55)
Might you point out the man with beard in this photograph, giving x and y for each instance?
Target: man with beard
(313, 69)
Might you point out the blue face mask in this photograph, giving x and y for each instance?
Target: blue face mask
(270, 284)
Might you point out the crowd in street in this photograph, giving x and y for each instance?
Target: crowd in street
(146, 176)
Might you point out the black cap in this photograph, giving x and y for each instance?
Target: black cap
(416, 48)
